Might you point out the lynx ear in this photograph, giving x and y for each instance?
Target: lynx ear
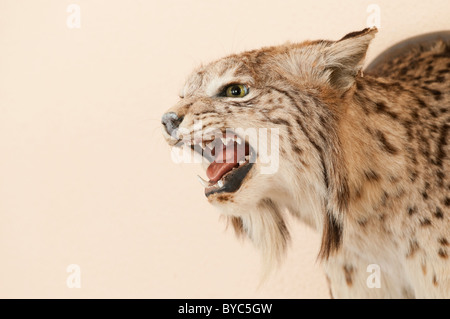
(343, 59)
(334, 63)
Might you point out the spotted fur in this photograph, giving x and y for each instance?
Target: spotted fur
(364, 158)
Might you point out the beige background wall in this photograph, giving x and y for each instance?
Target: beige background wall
(85, 176)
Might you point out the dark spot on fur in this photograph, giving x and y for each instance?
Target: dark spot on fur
(393, 179)
(438, 79)
(414, 115)
(291, 99)
(413, 176)
(362, 222)
(281, 121)
(442, 253)
(371, 175)
(424, 195)
(436, 93)
(411, 154)
(413, 247)
(424, 147)
(296, 149)
(425, 222)
(409, 131)
(205, 112)
(438, 214)
(412, 210)
(433, 127)
(381, 108)
(421, 103)
(322, 120)
(223, 198)
(348, 271)
(435, 283)
(388, 147)
(433, 113)
(384, 199)
(443, 241)
(291, 136)
(447, 201)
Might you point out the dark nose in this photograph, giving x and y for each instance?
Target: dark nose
(171, 121)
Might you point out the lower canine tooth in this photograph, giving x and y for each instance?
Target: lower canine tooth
(202, 181)
(220, 183)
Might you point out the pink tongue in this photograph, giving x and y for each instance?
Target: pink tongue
(229, 160)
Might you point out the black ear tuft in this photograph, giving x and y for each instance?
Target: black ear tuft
(358, 33)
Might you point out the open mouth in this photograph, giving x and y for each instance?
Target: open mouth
(230, 160)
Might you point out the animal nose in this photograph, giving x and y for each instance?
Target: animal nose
(171, 121)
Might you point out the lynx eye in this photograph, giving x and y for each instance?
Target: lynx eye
(236, 90)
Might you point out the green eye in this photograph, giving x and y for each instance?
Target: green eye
(236, 90)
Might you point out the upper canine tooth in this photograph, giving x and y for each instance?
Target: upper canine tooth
(202, 181)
